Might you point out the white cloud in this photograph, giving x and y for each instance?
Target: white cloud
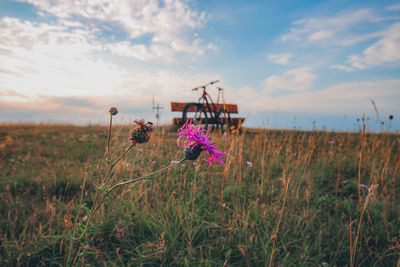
(141, 52)
(385, 50)
(282, 59)
(319, 35)
(169, 22)
(395, 7)
(38, 59)
(341, 67)
(346, 98)
(321, 28)
(212, 46)
(295, 80)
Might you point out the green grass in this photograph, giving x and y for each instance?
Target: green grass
(195, 215)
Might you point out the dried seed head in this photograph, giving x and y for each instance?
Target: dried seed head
(141, 132)
(390, 117)
(192, 152)
(113, 111)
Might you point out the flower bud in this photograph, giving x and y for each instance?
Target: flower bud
(113, 111)
(141, 132)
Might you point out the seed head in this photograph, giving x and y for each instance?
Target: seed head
(390, 117)
(141, 132)
(192, 152)
(113, 111)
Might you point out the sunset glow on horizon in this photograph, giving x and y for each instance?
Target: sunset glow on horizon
(314, 64)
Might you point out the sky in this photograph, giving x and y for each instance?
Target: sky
(287, 64)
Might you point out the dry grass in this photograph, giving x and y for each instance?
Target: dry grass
(298, 205)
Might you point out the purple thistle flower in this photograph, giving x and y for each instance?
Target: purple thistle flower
(363, 186)
(197, 136)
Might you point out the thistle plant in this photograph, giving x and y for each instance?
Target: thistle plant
(195, 140)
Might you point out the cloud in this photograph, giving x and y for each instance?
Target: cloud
(319, 35)
(282, 59)
(342, 26)
(385, 50)
(348, 28)
(62, 71)
(395, 7)
(133, 98)
(341, 67)
(295, 80)
(347, 97)
(53, 72)
(344, 98)
(58, 60)
(141, 52)
(168, 22)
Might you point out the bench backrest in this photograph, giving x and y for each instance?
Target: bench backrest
(179, 106)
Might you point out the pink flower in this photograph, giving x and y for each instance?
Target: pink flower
(250, 163)
(196, 136)
(363, 186)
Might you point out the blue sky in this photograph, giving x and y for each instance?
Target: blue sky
(287, 64)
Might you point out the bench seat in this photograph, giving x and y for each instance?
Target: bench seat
(179, 106)
(234, 121)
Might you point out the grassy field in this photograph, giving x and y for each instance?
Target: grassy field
(283, 198)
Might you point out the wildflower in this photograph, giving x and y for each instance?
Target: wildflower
(113, 111)
(331, 142)
(141, 132)
(174, 162)
(250, 164)
(196, 141)
(363, 186)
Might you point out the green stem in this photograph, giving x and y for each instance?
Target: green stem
(76, 219)
(81, 200)
(110, 169)
(109, 136)
(115, 162)
(121, 184)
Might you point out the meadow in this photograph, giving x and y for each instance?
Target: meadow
(283, 198)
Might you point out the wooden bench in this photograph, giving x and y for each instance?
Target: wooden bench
(231, 108)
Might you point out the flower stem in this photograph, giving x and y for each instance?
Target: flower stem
(115, 162)
(119, 185)
(109, 171)
(76, 219)
(109, 136)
